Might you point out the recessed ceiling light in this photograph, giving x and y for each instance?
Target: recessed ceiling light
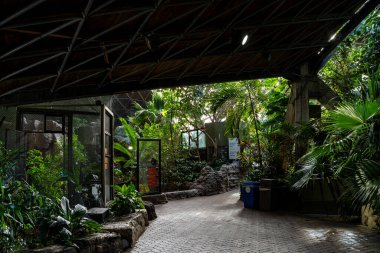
(245, 39)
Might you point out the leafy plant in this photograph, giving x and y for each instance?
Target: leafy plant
(127, 149)
(127, 200)
(254, 174)
(67, 224)
(45, 173)
(16, 214)
(16, 201)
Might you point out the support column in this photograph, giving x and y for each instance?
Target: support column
(301, 108)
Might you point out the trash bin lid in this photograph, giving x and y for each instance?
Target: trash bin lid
(249, 184)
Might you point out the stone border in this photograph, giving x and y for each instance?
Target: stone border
(116, 236)
(182, 194)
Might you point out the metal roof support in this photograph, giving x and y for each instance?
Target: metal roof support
(177, 40)
(31, 66)
(112, 28)
(129, 44)
(347, 28)
(100, 55)
(102, 6)
(294, 62)
(39, 38)
(20, 12)
(79, 80)
(70, 48)
(26, 85)
(131, 73)
(214, 40)
(145, 52)
(93, 58)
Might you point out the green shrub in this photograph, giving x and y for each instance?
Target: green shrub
(127, 200)
(45, 173)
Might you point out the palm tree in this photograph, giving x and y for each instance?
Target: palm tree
(152, 113)
(239, 100)
(352, 148)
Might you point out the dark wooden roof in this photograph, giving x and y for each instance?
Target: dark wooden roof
(59, 49)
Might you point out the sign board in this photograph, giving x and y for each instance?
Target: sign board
(233, 148)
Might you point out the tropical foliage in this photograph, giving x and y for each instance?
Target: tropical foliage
(352, 148)
(30, 219)
(127, 200)
(351, 151)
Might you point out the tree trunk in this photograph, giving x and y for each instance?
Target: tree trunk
(255, 122)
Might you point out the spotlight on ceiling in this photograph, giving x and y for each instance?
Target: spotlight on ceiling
(245, 39)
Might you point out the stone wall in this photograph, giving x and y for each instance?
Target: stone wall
(212, 182)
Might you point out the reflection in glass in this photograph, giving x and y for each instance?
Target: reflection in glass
(54, 123)
(149, 155)
(33, 122)
(86, 173)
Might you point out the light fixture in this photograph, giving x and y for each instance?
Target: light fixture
(332, 37)
(245, 39)
(130, 148)
(320, 51)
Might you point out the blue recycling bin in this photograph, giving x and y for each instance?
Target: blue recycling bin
(250, 192)
(247, 192)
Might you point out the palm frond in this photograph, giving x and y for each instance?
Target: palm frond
(157, 101)
(122, 149)
(221, 96)
(366, 184)
(304, 174)
(130, 132)
(351, 117)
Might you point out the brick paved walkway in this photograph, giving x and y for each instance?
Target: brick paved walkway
(220, 224)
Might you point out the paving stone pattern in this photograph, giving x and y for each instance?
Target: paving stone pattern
(219, 223)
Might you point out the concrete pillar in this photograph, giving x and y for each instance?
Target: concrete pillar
(307, 87)
(301, 108)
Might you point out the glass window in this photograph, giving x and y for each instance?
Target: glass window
(107, 123)
(149, 171)
(33, 122)
(202, 139)
(193, 139)
(54, 123)
(185, 139)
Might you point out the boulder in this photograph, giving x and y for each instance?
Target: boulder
(101, 243)
(182, 194)
(212, 182)
(156, 199)
(150, 209)
(129, 227)
(99, 214)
